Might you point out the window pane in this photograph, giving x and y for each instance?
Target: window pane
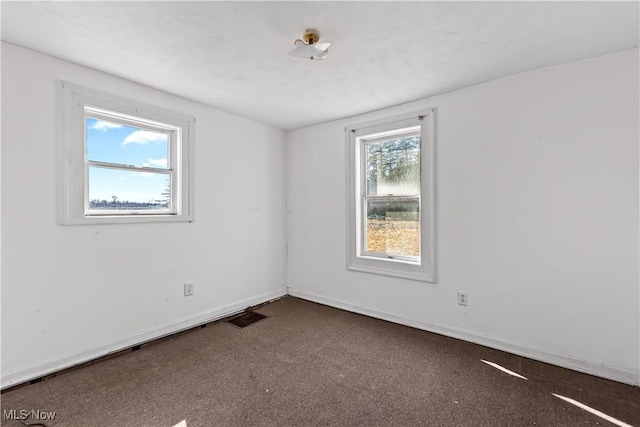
(126, 145)
(115, 189)
(393, 227)
(393, 166)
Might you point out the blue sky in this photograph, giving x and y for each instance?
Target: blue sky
(114, 143)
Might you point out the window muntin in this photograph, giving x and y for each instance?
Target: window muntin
(391, 196)
(112, 146)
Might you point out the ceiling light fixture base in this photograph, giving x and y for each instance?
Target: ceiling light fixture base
(310, 36)
(308, 47)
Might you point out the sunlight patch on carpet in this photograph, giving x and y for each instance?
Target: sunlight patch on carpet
(505, 370)
(593, 411)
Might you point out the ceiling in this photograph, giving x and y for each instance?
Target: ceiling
(233, 55)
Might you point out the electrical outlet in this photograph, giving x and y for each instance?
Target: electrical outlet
(188, 289)
(462, 298)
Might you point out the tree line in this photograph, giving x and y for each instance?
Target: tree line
(395, 161)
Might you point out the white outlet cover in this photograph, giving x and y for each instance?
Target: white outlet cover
(188, 289)
(462, 298)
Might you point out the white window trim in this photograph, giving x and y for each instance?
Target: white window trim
(72, 175)
(425, 269)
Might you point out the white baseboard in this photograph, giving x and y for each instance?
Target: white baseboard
(73, 359)
(23, 375)
(613, 373)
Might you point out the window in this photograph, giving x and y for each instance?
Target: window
(391, 197)
(123, 161)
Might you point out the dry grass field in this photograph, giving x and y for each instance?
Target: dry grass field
(393, 237)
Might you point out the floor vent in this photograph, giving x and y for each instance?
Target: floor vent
(246, 319)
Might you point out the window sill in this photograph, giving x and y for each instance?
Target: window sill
(389, 259)
(133, 219)
(393, 273)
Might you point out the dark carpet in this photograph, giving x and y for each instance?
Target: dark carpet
(311, 365)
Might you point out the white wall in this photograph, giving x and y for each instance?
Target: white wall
(537, 218)
(71, 293)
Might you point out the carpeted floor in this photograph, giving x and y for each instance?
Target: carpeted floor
(312, 365)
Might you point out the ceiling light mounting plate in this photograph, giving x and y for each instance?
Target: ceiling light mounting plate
(310, 36)
(308, 47)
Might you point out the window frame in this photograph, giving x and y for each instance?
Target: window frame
(421, 268)
(78, 103)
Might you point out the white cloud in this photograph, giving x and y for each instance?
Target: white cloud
(144, 137)
(158, 162)
(104, 126)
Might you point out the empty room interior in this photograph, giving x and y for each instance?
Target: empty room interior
(320, 213)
